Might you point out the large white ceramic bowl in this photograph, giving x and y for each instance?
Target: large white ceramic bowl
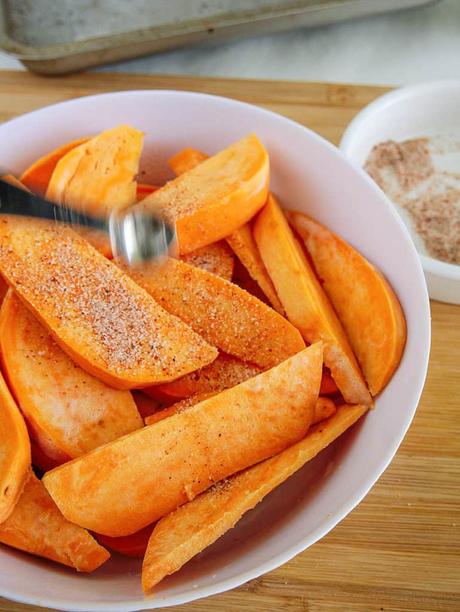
(428, 109)
(310, 175)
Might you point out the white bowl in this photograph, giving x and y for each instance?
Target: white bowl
(429, 109)
(310, 175)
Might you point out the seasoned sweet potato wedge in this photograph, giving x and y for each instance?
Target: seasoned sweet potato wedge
(241, 240)
(223, 314)
(217, 196)
(224, 372)
(133, 545)
(106, 323)
(362, 298)
(324, 408)
(143, 190)
(216, 258)
(36, 526)
(127, 484)
(14, 452)
(191, 528)
(305, 302)
(100, 174)
(74, 409)
(37, 176)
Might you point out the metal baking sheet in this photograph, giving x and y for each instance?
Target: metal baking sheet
(59, 36)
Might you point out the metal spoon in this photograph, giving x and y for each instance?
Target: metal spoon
(135, 234)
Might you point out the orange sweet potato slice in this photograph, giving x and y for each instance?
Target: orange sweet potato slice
(191, 528)
(36, 526)
(110, 326)
(241, 240)
(362, 298)
(14, 452)
(125, 485)
(75, 410)
(324, 408)
(223, 314)
(99, 175)
(37, 176)
(224, 372)
(186, 160)
(143, 190)
(305, 302)
(133, 545)
(217, 196)
(216, 258)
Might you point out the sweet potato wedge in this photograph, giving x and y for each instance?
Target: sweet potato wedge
(216, 258)
(224, 372)
(241, 240)
(186, 160)
(75, 410)
(37, 176)
(324, 408)
(36, 526)
(14, 452)
(99, 175)
(127, 484)
(143, 190)
(191, 528)
(223, 314)
(305, 302)
(217, 196)
(328, 386)
(362, 298)
(133, 545)
(110, 326)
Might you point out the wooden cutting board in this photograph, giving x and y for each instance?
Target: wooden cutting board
(400, 549)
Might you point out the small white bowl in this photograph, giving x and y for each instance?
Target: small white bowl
(429, 109)
(310, 175)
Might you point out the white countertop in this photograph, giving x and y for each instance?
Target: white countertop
(397, 48)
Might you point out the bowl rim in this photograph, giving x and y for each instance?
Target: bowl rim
(331, 520)
(432, 265)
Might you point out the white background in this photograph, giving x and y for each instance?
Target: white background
(405, 47)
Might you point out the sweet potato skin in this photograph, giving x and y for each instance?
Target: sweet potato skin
(241, 240)
(305, 302)
(128, 484)
(15, 454)
(36, 526)
(100, 318)
(217, 196)
(363, 299)
(182, 534)
(226, 316)
(75, 410)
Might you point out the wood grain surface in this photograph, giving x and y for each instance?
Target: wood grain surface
(399, 550)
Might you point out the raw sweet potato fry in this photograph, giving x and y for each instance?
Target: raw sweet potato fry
(133, 545)
(99, 175)
(305, 302)
(106, 323)
(324, 408)
(74, 409)
(217, 196)
(241, 240)
(363, 299)
(37, 176)
(223, 314)
(224, 372)
(125, 485)
(36, 526)
(216, 258)
(328, 386)
(181, 535)
(143, 190)
(14, 452)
